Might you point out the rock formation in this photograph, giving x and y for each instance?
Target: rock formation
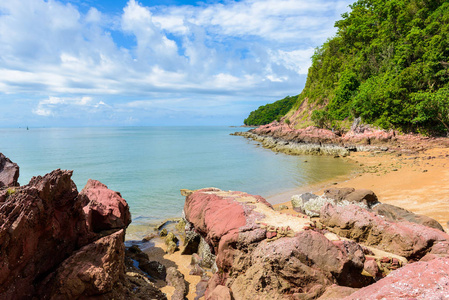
(56, 243)
(264, 254)
(9, 172)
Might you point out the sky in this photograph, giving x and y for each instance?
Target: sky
(67, 63)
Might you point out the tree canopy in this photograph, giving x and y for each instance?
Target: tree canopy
(387, 64)
(268, 113)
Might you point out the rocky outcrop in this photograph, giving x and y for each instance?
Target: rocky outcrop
(57, 243)
(311, 204)
(312, 140)
(406, 239)
(421, 280)
(262, 253)
(9, 172)
(395, 213)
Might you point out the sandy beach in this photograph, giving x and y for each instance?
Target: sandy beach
(418, 182)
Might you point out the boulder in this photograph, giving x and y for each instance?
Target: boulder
(254, 262)
(419, 280)
(41, 225)
(105, 209)
(395, 213)
(56, 244)
(9, 172)
(176, 279)
(362, 197)
(311, 204)
(90, 271)
(406, 239)
(303, 265)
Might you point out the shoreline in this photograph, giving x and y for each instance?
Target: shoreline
(418, 182)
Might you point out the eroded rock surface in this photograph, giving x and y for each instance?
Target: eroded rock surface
(263, 253)
(420, 280)
(58, 244)
(9, 172)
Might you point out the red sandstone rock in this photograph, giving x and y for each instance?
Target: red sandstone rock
(403, 238)
(420, 280)
(104, 208)
(46, 247)
(90, 271)
(9, 172)
(251, 266)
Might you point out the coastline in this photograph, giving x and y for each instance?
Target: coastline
(416, 181)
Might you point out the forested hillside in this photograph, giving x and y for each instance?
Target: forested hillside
(268, 113)
(388, 64)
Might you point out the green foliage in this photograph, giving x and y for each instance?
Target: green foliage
(388, 63)
(433, 109)
(268, 113)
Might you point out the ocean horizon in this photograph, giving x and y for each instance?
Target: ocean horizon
(150, 165)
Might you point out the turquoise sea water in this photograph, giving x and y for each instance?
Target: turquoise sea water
(149, 165)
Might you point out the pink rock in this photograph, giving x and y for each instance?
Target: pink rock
(89, 271)
(420, 280)
(42, 229)
(407, 239)
(220, 293)
(371, 267)
(104, 208)
(9, 172)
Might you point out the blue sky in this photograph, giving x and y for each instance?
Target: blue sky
(154, 62)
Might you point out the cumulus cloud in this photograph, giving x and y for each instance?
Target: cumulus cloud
(246, 49)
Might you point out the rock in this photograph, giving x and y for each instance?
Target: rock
(220, 293)
(86, 273)
(252, 263)
(205, 253)
(105, 209)
(49, 248)
(9, 172)
(155, 269)
(406, 239)
(41, 225)
(395, 213)
(353, 196)
(336, 292)
(163, 232)
(191, 243)
(302, 265)
(420, 280)
(176, 279)
(298, 201)
(171, 238)
(372, 268)
(311, 204)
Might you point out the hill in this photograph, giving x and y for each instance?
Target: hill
(387, 64)
(268, 113)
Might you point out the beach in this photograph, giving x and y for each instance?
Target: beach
(418, 182)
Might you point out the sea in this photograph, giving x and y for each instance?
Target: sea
(149, 165)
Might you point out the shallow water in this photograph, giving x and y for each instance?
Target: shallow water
(149, 165)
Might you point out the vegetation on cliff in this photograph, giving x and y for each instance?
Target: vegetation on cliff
(387, 64)
(268, 113)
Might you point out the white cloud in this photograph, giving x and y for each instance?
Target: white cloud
(252, 49)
